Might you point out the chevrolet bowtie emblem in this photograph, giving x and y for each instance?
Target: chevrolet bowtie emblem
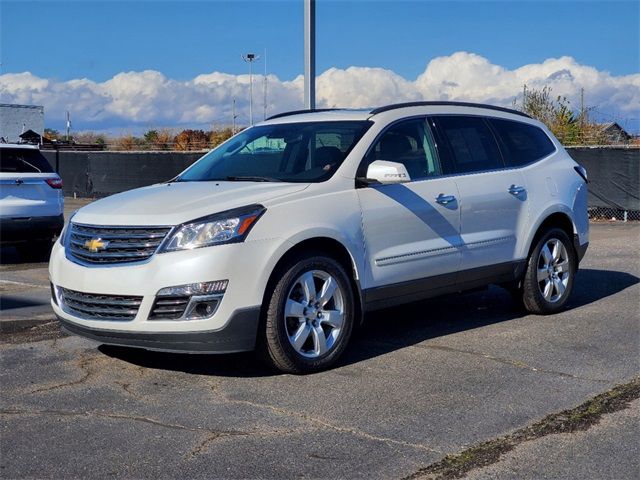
(95, 244)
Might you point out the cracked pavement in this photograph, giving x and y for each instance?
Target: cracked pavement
(420, 382)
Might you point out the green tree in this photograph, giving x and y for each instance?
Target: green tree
(219, 136)
(556, 113)
(151, 137)
(51, 134)
(158, 139)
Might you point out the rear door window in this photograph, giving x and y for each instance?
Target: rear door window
(469, 144)
(522, 143)
(22, 160)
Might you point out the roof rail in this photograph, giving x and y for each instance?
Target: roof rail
(443, 103)
(296, 112)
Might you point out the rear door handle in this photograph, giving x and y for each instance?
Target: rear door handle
(443, 199)
(516, 190)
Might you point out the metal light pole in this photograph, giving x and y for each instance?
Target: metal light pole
(264, 83)
(310, 54)
(250, 58)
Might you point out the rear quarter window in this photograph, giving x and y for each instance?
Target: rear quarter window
(521, 143)
(19, 160)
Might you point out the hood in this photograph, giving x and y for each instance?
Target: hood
(174, 203)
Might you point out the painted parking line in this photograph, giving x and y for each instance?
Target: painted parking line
(24, 284)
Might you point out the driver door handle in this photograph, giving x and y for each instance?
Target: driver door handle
(443, 199)
(516, 189)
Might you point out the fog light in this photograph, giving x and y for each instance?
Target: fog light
(202, 307)
(205, 309)
(202, 288)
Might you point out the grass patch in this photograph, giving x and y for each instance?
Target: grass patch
(576, 419)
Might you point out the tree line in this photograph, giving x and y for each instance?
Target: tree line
(153, 139)
(571, 126)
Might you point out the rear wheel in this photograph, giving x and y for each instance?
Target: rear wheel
(551, 268)
(310, 315)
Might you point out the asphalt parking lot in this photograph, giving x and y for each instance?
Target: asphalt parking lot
(419, 383)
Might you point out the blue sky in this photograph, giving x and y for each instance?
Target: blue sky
(98, 39)
(140, 64)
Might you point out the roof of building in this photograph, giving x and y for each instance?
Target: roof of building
(616, 127)
(29, 134)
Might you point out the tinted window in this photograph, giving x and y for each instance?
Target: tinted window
(470, 143)
(19, 160)
(294, 152)
(410, 143)
(522, 143)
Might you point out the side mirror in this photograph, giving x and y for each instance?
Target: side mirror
(384, 172)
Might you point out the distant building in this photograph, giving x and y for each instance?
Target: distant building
(30, 137)
(17, 119)
(614, 133)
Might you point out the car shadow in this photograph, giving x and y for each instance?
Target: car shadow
(392, 329)
(9, 302)
(9, 255)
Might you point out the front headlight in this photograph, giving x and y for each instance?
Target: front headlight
(231, 226)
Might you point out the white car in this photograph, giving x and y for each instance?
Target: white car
(31, 201)
(283, 237)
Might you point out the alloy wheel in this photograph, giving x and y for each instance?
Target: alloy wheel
(314, 313)
(554, 270)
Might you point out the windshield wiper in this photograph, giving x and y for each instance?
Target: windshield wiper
(250, 178)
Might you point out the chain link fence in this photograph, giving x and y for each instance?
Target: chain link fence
(608, 214)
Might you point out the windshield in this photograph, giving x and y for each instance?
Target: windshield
(294, 152)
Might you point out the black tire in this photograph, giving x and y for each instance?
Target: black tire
(533, 297)
(35, 250)
(274, 344)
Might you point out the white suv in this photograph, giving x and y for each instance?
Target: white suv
(283, 237)
(31, 201)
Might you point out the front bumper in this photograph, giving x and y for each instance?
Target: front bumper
(246, 266)
(239, 335)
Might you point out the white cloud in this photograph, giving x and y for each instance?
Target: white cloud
(148, 98)
(363, 87)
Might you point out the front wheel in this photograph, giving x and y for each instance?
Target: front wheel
(551, 268)
(310, 315)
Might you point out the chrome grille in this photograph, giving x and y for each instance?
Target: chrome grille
(99, 307)
(170, 308)
(121, 244)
